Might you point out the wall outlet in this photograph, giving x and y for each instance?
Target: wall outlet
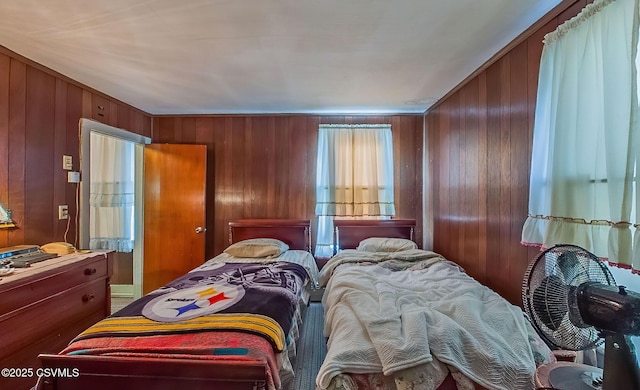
(67, 162)
(63, 211)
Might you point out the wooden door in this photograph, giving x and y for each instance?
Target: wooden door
(174, 212)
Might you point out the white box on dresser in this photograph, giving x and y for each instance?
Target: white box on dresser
(46, 305)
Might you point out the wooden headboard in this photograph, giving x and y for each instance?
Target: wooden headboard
(293, 232)
(349, 233)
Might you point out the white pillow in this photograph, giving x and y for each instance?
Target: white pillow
(385, 244)
(257, 247)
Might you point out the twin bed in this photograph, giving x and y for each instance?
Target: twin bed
(231, 323)
(396, 317)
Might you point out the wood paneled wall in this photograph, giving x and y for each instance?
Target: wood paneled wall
(480, 138)
(39, 114)
(263, 166)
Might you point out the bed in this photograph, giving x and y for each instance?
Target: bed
(231, 323)
(397, 317)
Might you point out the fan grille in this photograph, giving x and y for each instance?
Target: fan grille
(549, 295)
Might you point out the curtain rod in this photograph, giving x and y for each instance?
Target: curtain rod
(588, 11)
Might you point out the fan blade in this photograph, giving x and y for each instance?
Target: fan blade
(550, 301)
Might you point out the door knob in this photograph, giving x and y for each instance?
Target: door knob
(199, 229)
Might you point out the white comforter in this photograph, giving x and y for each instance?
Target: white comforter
(393, 316)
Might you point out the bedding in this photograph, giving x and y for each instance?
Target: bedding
(384, 244)
(230, 309)
(257, 247)
(409, 318)
(300, 257)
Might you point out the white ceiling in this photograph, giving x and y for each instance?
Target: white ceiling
(267, 56)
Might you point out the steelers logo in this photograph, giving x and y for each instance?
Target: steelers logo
(192, 302)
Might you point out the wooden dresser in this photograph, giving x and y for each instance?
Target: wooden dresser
(44, 306)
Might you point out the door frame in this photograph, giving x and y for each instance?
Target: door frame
(86, 127)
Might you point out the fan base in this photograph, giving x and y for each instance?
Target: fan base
(569, 376)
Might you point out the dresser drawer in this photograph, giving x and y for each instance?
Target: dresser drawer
(39, 319)
(53, 282)
(53, 342)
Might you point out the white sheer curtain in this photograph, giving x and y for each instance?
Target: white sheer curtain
(111, 193)
(582, 188)
(354, 176)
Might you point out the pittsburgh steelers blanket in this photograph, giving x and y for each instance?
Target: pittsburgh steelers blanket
(248, 297)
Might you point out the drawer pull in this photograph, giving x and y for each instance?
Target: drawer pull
(89, 271)
(87, 298)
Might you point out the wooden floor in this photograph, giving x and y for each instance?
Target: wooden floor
(312, 346)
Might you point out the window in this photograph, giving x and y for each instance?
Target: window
(354, 177)
(111, 196)
(586, 136)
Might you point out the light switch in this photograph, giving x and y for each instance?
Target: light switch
(67, 162)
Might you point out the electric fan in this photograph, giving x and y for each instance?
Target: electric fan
(573, 302)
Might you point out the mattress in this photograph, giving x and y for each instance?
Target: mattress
(228, 309)
(412, 319)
